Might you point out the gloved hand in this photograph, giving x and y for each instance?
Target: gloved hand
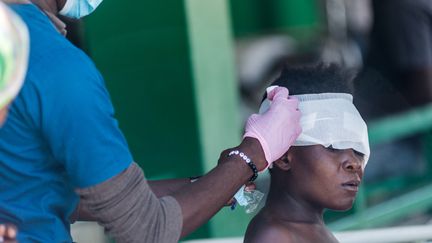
(278, 127)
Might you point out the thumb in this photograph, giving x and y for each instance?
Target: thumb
(276, 92)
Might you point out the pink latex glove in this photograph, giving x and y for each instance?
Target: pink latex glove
(278, 127)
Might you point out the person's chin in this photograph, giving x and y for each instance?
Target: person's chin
(343, 205)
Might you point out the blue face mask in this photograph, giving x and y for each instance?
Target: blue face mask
(79, 8)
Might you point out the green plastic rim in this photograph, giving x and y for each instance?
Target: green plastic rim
(14, 51)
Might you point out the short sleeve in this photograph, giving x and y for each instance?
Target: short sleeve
(78, 123)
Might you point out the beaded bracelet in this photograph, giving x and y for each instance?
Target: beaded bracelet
(248, 162)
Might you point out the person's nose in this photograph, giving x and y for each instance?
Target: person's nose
(352, 162)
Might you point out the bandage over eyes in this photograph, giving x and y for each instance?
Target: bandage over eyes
(330, 119)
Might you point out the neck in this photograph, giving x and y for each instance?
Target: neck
(286, 206)
(49, 6)
(51, 9)
(16, 1)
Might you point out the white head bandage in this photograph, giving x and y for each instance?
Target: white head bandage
(330, 119)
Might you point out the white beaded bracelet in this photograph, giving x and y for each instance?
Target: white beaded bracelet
(248, 162)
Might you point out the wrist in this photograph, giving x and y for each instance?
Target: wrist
(253, 149)
(248, 161)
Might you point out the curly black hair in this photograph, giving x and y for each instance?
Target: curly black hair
(316, 78)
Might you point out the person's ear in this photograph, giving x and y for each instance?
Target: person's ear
(283, 163)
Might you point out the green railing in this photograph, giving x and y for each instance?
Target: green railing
(398, 126)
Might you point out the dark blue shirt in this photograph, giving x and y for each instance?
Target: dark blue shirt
(60, 134)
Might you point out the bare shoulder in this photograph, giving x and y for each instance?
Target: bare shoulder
(264, 229)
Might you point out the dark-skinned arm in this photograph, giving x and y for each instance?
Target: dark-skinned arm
(217, 187)
(131, 212)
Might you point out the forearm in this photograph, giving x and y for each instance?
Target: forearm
(201, 200)
(167, 187)
(204, 198)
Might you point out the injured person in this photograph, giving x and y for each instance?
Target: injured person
(324, 167)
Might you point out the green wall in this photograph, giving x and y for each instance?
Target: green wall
(296, 17)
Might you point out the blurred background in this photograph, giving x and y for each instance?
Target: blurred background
(185, 75)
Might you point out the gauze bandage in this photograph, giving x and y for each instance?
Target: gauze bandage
(14, 49)
(330, 119)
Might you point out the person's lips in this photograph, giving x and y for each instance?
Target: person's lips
(352, 185)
